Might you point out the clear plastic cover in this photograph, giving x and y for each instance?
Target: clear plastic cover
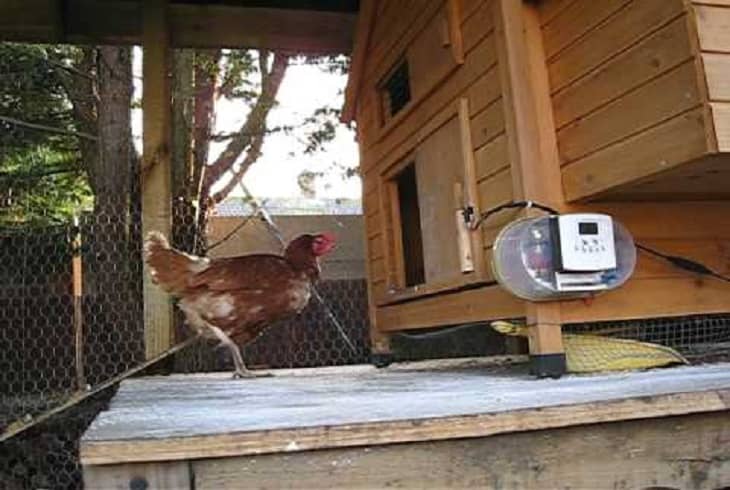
(523, 258)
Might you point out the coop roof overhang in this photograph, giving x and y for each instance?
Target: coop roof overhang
(304, 26)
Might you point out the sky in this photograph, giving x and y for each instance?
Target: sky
(304, 89)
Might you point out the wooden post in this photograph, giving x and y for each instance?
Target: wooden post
(77, 273)
(156, 168)
(533, 151)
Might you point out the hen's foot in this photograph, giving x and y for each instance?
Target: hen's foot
(248, 374)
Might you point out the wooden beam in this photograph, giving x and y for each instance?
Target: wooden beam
(31, 21)
(686, 452)
(532, 149)
(365, 23)
(294, 440)
(156, 166)
(191, 25)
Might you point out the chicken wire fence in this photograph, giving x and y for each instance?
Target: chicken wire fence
(71, 308)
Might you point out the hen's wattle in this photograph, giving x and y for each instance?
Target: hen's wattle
(235, 299)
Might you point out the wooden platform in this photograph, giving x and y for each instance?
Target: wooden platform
(191, 418)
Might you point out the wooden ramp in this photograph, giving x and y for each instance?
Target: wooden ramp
(456, 425)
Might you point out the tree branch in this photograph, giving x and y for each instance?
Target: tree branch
(253, 154)
(254, 124)
(48, 129)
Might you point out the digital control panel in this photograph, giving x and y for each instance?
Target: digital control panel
(586, 242)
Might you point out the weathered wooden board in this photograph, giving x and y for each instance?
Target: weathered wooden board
(661, 51)
(205, 416)
(689, 452)
(664, 97)
(639, 19)
(438, 168)
(713, 28)
(660, 148)
(574, 21)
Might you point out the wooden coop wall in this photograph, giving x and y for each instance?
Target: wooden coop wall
(454, 129)
(636, 99)
(635, 121)
(636, 116)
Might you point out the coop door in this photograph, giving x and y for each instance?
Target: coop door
(439, 166)
(424, 201)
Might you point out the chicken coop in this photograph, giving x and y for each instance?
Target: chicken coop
(609, 107)
(461, 107)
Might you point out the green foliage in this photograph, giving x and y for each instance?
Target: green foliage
(40, 178)
(41, 186)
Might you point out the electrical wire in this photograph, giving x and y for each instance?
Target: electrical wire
(680, 262)
(509, 205)
(684, 263)
(438, 333)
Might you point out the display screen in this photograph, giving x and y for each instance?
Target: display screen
(588, 228)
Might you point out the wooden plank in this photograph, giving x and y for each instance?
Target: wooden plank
(721, 3)
(430, 57)
(721, 119)
(487, 124)
(456, 38)
(549, 9)
(377, 269)
(461, 307)
(375, 247)
(308, 31)
(394, 142)
(491, 158)
(656, 54)
(471, 193)
(717, 71)
(638, 20)
(652, 298)
(151, 476)
(484, 91)
(156, 166)
(469, 8)
(697, 220)
(494, 191)
(664, 97)
(670, 144)
(395, 32)
(294, 413)
(477, 26)
(363, 30)
(576, 21)
(690, 182)
(31, 21)
(715, 254)
(199, 26)
(394, 260)
(435, 200)
(532, 146)
(685, 452)
(713, 24)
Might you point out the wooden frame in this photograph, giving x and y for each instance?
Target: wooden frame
(397, 292)
(156, 166)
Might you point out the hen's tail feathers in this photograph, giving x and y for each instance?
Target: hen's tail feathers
(170, 268)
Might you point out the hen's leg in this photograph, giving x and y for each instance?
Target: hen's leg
(241, 370)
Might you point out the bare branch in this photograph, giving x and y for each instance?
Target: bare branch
(253, 154)
(253, 126)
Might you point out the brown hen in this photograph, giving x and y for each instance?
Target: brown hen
(235, 299)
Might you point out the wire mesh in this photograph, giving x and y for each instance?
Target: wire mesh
(700, 338)
(62, 331)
